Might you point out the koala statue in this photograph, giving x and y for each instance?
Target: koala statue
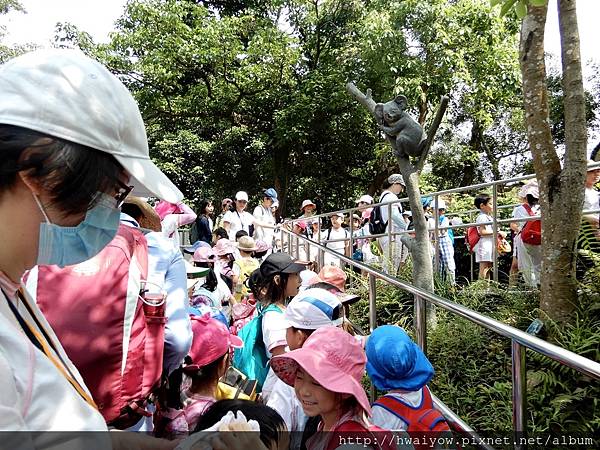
(404, 133)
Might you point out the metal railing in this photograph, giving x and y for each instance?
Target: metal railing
(520, 340)
(390, 233)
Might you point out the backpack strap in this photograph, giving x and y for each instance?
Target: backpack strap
(528, 209)
(403, 410)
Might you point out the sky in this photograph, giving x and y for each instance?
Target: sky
(97, 17)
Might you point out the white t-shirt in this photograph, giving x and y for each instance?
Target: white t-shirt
(519, 212)
(35, 396)
(484, 249)
(590, 201)
(282, 399)
(399, 224)
(340, 233)
(238, 221)
(264, 214)
(274, 328)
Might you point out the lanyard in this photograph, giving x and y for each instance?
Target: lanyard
(44, 343)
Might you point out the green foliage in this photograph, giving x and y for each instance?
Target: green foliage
(473, 365)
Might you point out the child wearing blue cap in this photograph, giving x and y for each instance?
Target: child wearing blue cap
(397, 366)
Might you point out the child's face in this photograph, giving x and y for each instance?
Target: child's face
(486, 207)
(293, 284)
(314, 398)
(295, 338)
(336, 221)
(209, 208)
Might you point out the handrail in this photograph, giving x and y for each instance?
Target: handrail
(573, 360)
(438, 193)
(519, 339)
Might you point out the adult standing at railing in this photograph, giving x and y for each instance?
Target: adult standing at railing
(392, 187)
(239, 218)
(529, 257)
(264, 220)
(591, 202)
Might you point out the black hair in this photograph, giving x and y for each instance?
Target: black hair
(259, 255)
(203, 204)
(240, 233)
(205, 374)
(275, 292)
(221, 233)
(255, 283)
(271, 423)
(71, 173)
(531, 200)
(306, 331)
(211, 280)
(481, 199)
(132, 210)
(386, 184)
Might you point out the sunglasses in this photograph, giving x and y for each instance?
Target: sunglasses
(123, 191)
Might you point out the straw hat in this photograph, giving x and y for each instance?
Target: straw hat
(246, 244)
(149, 219)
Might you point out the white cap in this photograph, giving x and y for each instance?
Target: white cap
(241, 195)
(366, 199)
(307, 276)
(65, 94)
(312, 309)
(441, 204)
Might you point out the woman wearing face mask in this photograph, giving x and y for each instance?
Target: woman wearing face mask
(72, 146)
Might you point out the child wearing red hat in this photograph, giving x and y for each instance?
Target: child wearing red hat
(207, 361)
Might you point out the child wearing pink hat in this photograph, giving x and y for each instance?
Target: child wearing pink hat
(207, 361)
(326, 374)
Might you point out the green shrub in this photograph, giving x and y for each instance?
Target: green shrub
(473, 365)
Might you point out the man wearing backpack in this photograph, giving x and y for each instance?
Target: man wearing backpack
(396, 365)
(392, 187)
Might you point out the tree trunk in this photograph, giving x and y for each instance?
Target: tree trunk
(419, 247)
(280, 163)
(561, 188)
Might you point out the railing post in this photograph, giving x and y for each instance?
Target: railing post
(351, 219)
(519, 394)
(372, 316)
(390, 224)
(436, 258)
(495, 235)
(421, 323)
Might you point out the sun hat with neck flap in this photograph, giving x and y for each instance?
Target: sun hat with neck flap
(67, 95)
(394, 361)
(333, 357)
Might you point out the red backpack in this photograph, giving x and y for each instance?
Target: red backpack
(473, 237)
(531, 233)
(114, 339)
(422, 420)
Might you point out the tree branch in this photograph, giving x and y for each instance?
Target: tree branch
(432, 130)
